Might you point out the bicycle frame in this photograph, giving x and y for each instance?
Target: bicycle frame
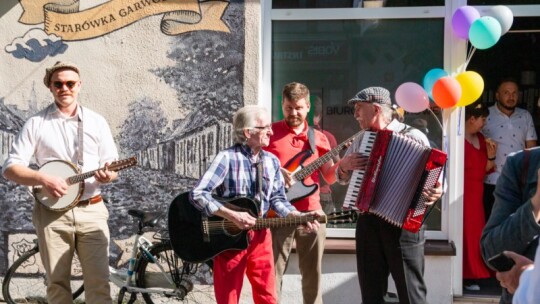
(152, 269)
(126, 281)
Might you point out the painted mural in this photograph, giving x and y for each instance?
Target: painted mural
(166, 74)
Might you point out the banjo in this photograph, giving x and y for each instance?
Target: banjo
(74, 180)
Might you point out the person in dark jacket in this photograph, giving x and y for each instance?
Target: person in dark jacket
(513, 224)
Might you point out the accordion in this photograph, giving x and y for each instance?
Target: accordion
(391, 186)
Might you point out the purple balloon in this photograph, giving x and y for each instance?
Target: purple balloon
(412, 97)
(462, 19)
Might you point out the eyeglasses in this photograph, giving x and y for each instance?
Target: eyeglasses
(68, 84)
(265, 128)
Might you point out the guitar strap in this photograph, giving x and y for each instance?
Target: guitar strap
(311, 138)
(260, 185)
(80, 134)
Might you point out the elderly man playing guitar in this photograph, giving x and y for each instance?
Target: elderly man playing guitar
(67, 133)
(245, 170)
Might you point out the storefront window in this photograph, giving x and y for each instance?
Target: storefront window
(337, 58)
(502, 2)
(352, 3)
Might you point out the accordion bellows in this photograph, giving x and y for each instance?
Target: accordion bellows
(398, 170)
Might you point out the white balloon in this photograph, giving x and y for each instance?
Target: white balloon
(504, 15)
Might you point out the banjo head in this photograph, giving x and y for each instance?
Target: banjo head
(64, 170)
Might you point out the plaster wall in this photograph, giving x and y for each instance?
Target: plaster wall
(167, 75)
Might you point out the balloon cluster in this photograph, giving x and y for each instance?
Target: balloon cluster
(466, 87)
(483, 32)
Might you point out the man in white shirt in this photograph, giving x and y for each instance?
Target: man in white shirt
(54, 134)
(512, 128)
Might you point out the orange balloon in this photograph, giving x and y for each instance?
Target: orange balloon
(446, 92)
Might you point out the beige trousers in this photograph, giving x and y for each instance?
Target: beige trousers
(83, 229)
(310, 249)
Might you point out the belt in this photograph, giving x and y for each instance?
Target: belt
(90, 201)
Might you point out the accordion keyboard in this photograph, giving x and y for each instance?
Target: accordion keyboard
(358, 175)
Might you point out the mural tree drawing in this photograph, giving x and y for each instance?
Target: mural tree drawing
(144, 125)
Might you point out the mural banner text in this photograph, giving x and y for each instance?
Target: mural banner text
(64, 19)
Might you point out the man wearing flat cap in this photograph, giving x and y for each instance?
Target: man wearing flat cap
(68, 132)
(382, 248)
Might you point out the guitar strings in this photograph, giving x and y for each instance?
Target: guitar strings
(277, 222)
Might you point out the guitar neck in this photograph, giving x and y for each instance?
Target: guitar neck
(316, 164)
(287, 221)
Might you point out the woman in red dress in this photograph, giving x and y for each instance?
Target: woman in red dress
(479, 160)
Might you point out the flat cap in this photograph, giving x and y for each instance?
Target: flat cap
(57, 66)
(372, 95)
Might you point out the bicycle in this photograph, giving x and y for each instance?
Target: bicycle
(25, 282)
(154, 271)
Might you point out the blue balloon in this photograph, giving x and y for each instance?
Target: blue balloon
(431, 77)
(485, 32)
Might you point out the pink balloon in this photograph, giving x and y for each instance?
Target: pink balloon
(412, 97)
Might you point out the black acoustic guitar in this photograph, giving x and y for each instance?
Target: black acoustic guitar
(196, 238)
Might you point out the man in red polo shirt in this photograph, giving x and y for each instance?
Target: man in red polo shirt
(289, 139)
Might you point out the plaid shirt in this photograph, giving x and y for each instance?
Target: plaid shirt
(232, 174)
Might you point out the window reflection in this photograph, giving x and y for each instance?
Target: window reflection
(337, 58)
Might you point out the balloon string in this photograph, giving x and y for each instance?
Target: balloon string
(464, 67)
(436, 119)
(469, 57)
(459, 121)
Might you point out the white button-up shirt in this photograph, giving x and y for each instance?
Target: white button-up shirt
(510, 133)
(51, 135)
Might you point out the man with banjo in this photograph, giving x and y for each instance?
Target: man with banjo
(71, 138)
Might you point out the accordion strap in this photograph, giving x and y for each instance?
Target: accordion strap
(406, 130)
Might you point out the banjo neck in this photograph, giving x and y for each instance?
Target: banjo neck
(114, 166)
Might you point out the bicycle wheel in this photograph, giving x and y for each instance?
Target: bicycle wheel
(193, 283)
(25, 280)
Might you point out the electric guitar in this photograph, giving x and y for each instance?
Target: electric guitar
(75, 182)
(298, 189)
(196, 238)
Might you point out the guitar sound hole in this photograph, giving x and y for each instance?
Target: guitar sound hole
(230, 229)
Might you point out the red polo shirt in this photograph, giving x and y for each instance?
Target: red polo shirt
(285, 144)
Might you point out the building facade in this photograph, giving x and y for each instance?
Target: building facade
(167, 76)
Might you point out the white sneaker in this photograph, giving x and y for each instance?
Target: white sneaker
(473, 287)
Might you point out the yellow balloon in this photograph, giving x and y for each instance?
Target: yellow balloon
(472, 86)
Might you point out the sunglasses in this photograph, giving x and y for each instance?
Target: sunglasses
(68, 84)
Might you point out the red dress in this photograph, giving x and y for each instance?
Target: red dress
(473, 210)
